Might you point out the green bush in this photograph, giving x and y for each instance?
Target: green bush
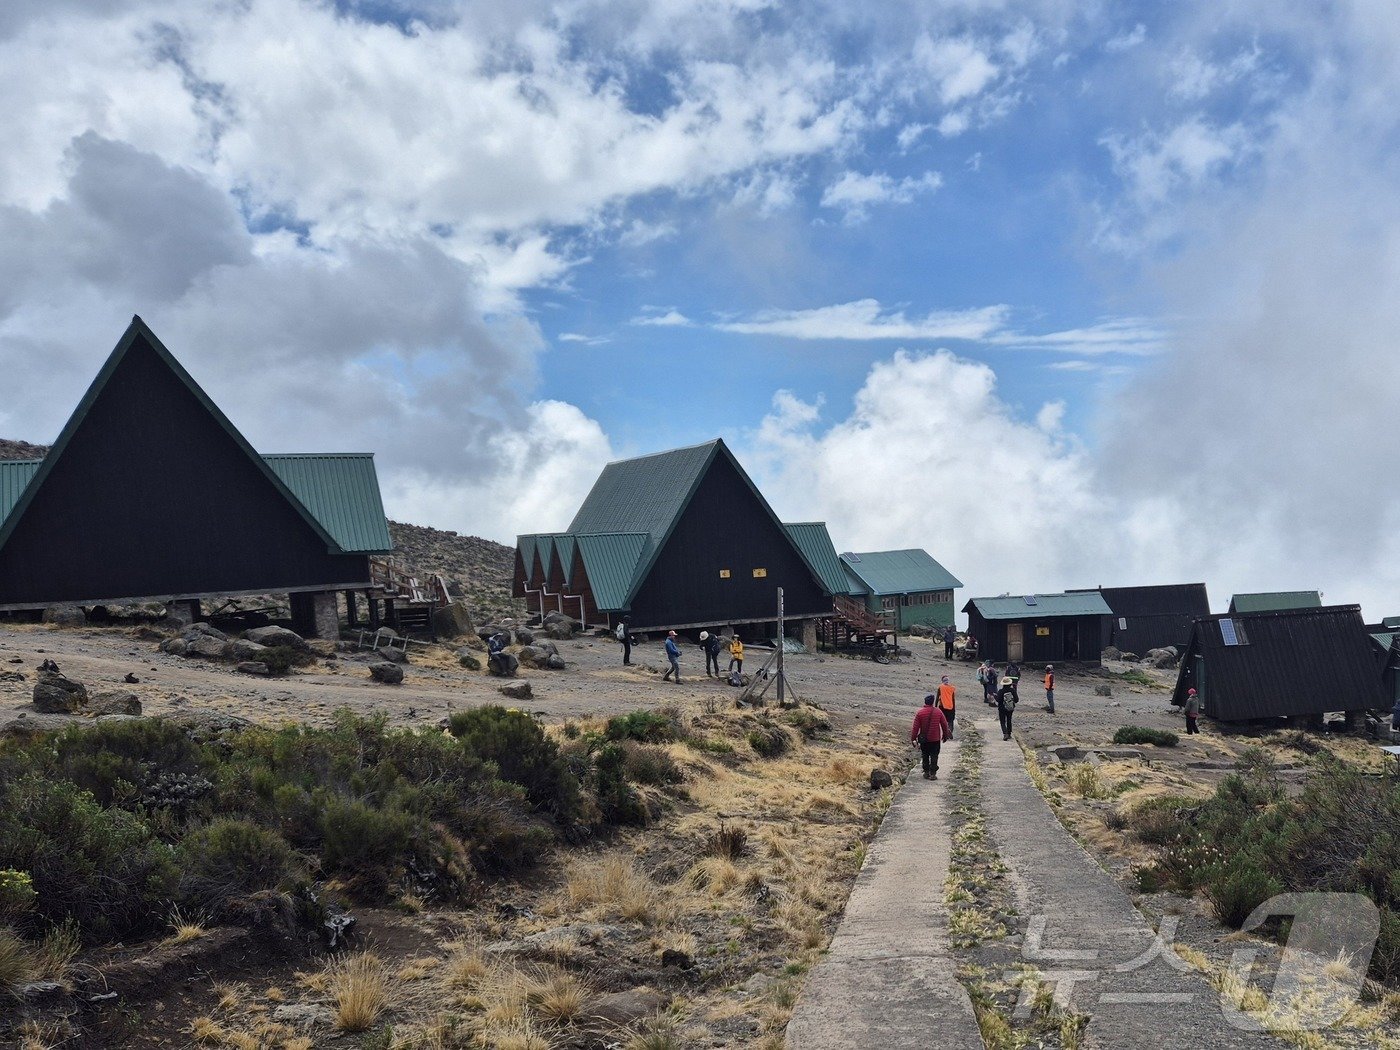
(650, 765)
(102, 868)
(517, 744)
(1237, 887)
(617, 800)
(808, 723)
(17, 896)
(280, 659)
(1159, 821)
(646, 727)
(1254, 761)
(122, 763)
(769, 740)
(232, 858)
(1143, 735)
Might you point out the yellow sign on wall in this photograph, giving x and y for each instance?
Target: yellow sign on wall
(1042, 632)
(759, 574)
(724, 574)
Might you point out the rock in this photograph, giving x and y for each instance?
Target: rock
(529, 655)
(625, 1008)
(453, 621)
(469, 660)
(273, 635)
(252, 667)
(387, 673)
(1129, 658)
(205, 645)
(880, 779)
(560, 630)
(12, 676)
(392, 654)
(555, 662)
(522, 636)
(301, 1015)
(1103, 690)
(519, 691)
(1111, 653)
(503, 665)
(1160, 658)
(487, 631)
(65, 616)
(56, 695)
(174, 646)
(114, 702)
(131, 679)
(242, 649)
(194, 630)
(40, 993)
(677, 958)
(921, 630)
(204, 725)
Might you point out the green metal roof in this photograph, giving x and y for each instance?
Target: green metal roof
(855, 585)
(1075, 603)
(341, 490)
(526, 546)
(900, 572)
(1275, 601)
(814, 542)
(1383, 639)
(1391, 621)
(645, 495)
(564, 548)
(611, 560)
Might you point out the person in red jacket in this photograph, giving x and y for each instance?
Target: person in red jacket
(930, 730)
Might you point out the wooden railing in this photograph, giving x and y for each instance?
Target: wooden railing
(855, 613)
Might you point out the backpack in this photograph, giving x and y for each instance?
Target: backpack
(621, 631)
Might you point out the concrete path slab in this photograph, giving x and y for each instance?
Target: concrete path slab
(888, 978)
(1080, 924)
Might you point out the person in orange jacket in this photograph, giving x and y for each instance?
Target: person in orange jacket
(1050, 688)
(947, 702)
(929, 731)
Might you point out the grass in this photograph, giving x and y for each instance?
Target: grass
(615, 884)
(18, 964)
(359, 988)
(1144, 735)
(183, 930)
(1084, 781)
(560, 998)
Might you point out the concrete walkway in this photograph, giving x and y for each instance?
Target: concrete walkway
(1082, 929)
(888, 978)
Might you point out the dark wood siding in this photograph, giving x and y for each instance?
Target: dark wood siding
(725, 527)
(152, 497)
(1072, 638)
(1157, 616)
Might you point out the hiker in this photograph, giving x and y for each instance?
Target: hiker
(1050, 688)
(1395, 717)
(987, 675)
(1193, 711)
(1006, 707)
(929, 731)
(624, 635)
(736, 654)
(673, 653)
(947, 697)
(1009, 680)
(710, 643)
(950, 635)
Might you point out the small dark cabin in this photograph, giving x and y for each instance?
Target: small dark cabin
(1154, 617)
(1040, 628)
(1289, 663)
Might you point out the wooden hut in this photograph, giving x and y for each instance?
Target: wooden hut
(1040, 628)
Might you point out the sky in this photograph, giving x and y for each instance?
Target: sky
(1067, 293)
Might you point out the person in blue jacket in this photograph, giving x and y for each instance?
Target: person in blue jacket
(673, 653)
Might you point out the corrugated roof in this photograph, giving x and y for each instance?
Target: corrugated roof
(341, 490)
(856, 584)
(564, 547)
(1275, 601)
(1289, 662)
(1391, 621)
(643, 495)
(1073, 603)
(1158, 600)
(611, 560)
(900, 572)
(526, 546)
(814, 542)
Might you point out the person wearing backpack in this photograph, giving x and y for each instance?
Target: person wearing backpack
(710, 643)
(947, 702)
(624, 635)
(1013, 675)
(1193, 711)
(987, 675)
(736, 655)
(1006, 707)
(930, 731)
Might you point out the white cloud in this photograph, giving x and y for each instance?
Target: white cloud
(1115, 335)
(960, 68)
(855, 193)
(664, 319)
(909, 135)
(586, 340)
(953, 124)
(1127, 41)
(866, 319)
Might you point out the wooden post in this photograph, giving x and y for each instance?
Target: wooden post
(782, 683)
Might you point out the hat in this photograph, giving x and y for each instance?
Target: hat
(928, 699)
(945, 678)
(704, 636)
(670, 634)
(1190, 692)
(1049, 667)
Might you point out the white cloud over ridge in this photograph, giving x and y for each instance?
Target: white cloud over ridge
(855, 193)
(867, 319)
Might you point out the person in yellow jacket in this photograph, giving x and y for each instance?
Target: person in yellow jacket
(947, 702)
(736, 654)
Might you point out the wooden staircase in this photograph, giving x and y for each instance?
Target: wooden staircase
(851, 623)
(410, 604)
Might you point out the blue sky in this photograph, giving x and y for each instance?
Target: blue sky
(1065, 292)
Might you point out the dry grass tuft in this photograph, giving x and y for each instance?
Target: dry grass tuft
(465, 970)
(359, 986)
(718, 875)
(230, 995)
(616, 884)
(417, 969)
(184, 930)
(842, 771)
(560, 998)
(18, 963)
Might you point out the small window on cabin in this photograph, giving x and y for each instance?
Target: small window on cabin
(1122, 623)
(759, 574)
(724, 574)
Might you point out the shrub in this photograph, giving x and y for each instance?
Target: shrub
(650, 765)
(1254, 761)
(647, 727)
(1159, 821)
(280, 659)
(808, 723)
(769, 740)
(1237, 887)
(232, 858)
(17, 896)
(122, 763)
(517, 744)
(1143, 735)
(1084, 780)
(617, 800)
(102, 868)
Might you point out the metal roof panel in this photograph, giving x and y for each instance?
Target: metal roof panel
(900, 572)
(611, 560)
(341, 491)
(1275, 601)
(1014, 607)
(814, 542)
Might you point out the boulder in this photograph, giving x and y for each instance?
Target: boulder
(387, 673)
(302, 1015)
(529, 655)
(503, 665)
(205, 645)
(629, 1007)
(1103, 690)
(519, 691)
(1111, 653)
(453, 621)
(392, 653)
(195, 630)
(880, 779)
(560, 630)
(203, 724)
(174, 646)
(468, 659)
(676, 957)
(272, 635)
(554, 662)
(1160, 658)
(114, 702)
(242, 649)
(522, 636)
(56, 695)
(1129, 658)
(65, 616)
(252, 667)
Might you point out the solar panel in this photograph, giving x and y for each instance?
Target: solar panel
(1030, 599)
(1227, 632)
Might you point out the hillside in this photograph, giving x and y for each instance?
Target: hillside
(483, 568)
(21, 450)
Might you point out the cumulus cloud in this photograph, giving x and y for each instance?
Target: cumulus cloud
(867, 319)
(855, 192)
(671, 318)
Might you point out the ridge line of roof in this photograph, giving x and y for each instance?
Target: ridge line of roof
(665, 452)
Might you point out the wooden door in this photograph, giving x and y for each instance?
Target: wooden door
(1015, 645)
(1201, 682)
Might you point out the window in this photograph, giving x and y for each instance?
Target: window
(889, 602)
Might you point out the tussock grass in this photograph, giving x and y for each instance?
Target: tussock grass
(717, 875)
(614, 884)
(1084, 781)
(359, 987)
(560, 998)
(18, 963)
(465, 970)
